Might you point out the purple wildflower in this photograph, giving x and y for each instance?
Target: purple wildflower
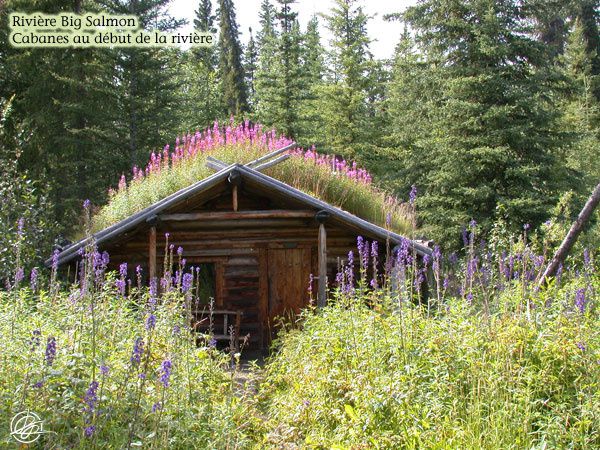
(350, 270)
(55, 260)
(35, 339)
(179, 251)
(580, 300)
(50, 351)
(20, 227)
(586, 258)
(104, 370)
(176, 330)
(156, 407)
(412, 196)
(526, 227)
(91, 398)
(310, 284)
(87, 204)
(150, 322)
(212, 343)
(165, 369)
(89, 431)
(19, 275)
(138, 349)
(123, 270)
(186, 283)
(33, 279)
(581, 346)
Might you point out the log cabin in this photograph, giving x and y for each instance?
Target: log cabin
(258, 241)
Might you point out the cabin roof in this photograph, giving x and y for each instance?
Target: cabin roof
(248, 174)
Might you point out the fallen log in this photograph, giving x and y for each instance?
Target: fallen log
(571, 237)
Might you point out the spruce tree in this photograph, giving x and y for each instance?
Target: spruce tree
(582, 108)
(231, 71)
(313, 66)
(205, 21)
(68, 105)
(147, 82)
(250, 61)
(281, 81)
(345, 96)
(492, 150)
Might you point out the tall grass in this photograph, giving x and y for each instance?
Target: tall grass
(333, 180)
(108, 363)
(486, 360)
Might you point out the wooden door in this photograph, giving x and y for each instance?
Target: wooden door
(288, 277)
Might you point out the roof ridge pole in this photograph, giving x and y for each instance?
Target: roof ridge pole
(268, 156)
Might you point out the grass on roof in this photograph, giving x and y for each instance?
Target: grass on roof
(330, 179)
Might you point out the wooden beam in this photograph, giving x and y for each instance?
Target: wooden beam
(268, 156)
(152, 253)
(272, 163)
(234, 194)
(237, 215)
(322, 293)
(214, 166)
(217, 161)
(263, 294)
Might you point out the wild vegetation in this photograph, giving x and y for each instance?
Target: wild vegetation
(485, 359)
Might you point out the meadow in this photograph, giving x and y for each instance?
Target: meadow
(486, 359)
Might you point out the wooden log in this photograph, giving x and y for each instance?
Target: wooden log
(255, 162)
(234, 194)
(272, 163)
(152, 253)
(214, 166)
(571, 237)
(322, 294)
(238, 215)
(263, 294)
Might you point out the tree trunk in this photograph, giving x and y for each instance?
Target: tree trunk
(571, 237)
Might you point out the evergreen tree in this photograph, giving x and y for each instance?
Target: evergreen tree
(205, 21)
(313, 67)
(345, 96)
(267, 64)
(492, 148)
(588, 16)
(147, 82)
(231, 72)
(67, 104)
(281, 81)
(250, 61)
(582, 107)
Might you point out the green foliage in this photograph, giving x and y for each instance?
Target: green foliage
(355, 377)
(281, 78)
(485, 360)
(199, 408)
(492, 133)
(231, 72)
(344, 98)
(488, 361)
